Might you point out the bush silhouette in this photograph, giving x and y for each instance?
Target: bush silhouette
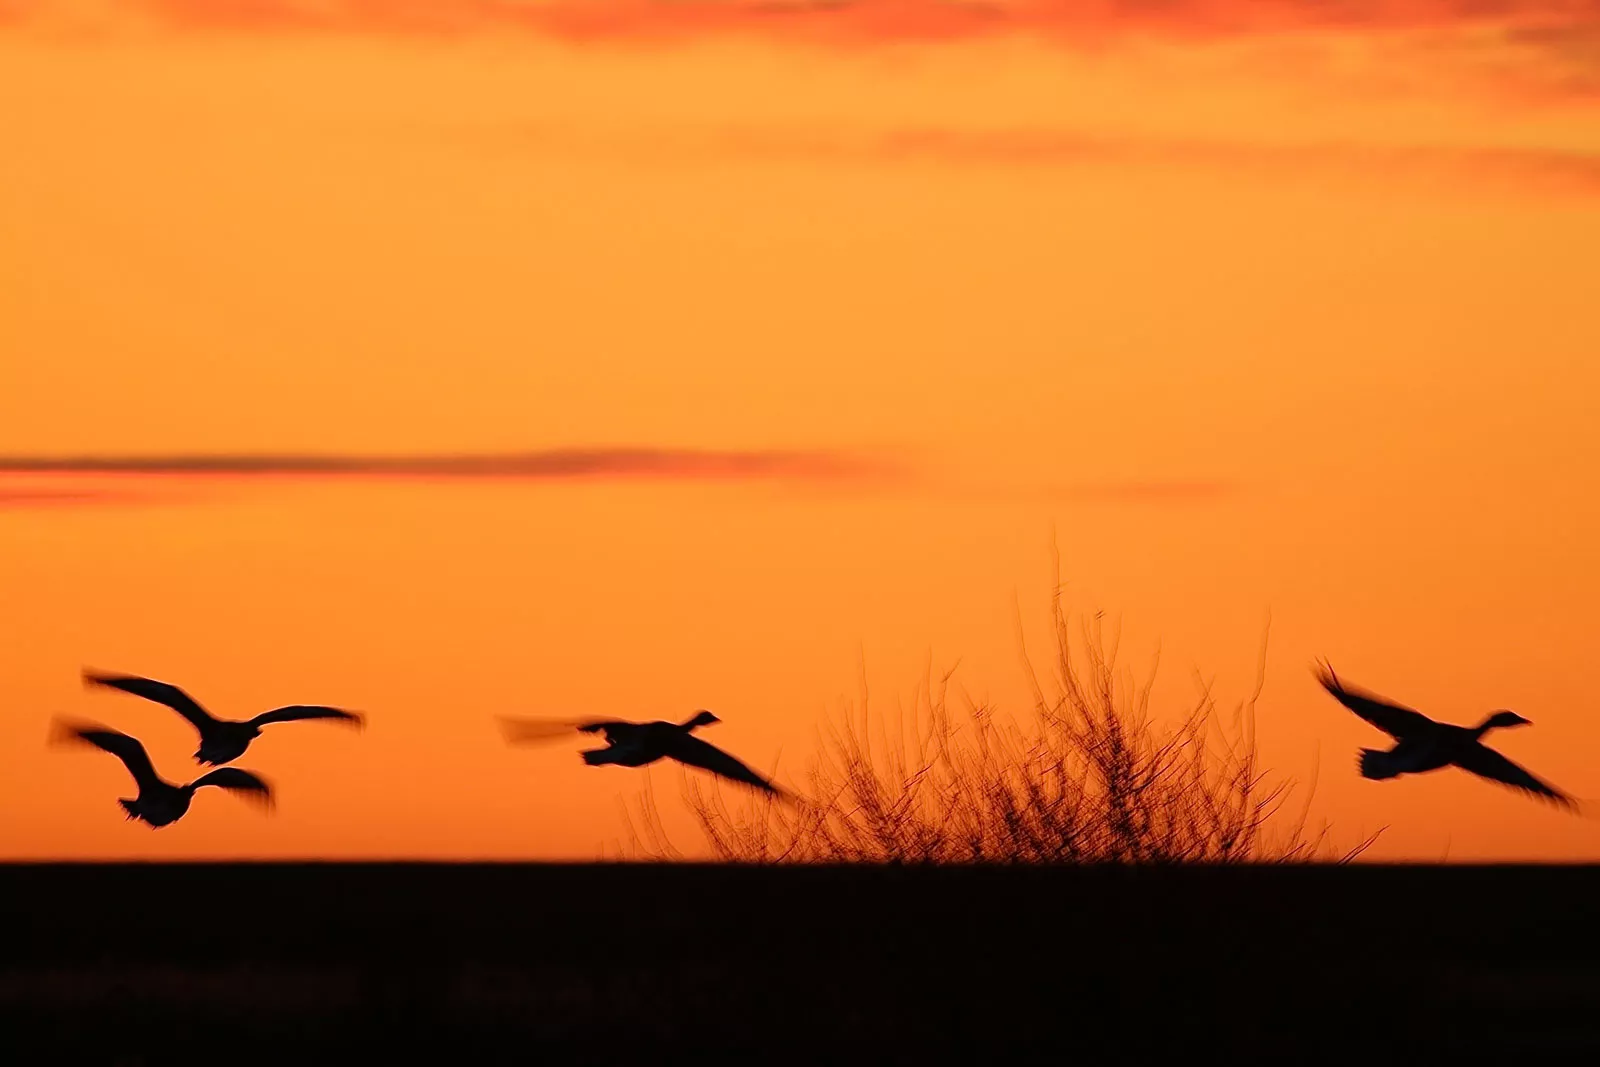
(1087, 778)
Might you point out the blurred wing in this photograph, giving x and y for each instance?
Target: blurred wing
(1487, 763)
(160, 692)
(692, 750)
(127, 749)
(535, 731)
(235, 780)
(1393, 719)
(619, 732)
(296, 712)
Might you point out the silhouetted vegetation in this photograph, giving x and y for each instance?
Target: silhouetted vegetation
(1090, 777)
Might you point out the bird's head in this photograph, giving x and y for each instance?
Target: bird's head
(1505, 717)
(703, 718)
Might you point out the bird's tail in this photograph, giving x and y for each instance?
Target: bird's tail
(1375, 763)
(127, 806)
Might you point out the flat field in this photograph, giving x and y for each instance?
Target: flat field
(535, 963)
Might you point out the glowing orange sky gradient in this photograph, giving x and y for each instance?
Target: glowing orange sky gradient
(1255, 311)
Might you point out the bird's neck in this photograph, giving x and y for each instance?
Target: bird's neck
(1484, 727)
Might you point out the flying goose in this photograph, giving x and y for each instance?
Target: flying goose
(634, 744)
(1425, 745)
(221, 740)
(159, 802)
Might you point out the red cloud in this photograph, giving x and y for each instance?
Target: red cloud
(64, 498)
(1533, 50)
(868, 21)
(1540, 170)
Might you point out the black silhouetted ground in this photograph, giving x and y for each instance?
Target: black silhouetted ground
(312, 963)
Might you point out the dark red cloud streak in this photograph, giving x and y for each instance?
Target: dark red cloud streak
(42, 482)
(38, 482)
(565, 464)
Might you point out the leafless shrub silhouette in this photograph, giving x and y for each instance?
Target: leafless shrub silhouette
(1089, 779)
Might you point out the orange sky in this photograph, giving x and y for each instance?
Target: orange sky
(1256, 313)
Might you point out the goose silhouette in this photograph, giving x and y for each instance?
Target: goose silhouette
(159, 802)
(221, 740)
(635, 744)
(1425, 745)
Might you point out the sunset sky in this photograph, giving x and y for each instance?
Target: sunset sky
(795, 334)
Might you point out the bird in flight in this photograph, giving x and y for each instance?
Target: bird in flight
(221, 740)
(1424, 745)
(634, 744)
(159, 802)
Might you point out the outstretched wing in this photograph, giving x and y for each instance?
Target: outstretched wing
(688, 749)
(295, 712)
(1393, 719)
(160, 692)
(535, 731)
(127, 749)
(237, 781)
(1487, 763)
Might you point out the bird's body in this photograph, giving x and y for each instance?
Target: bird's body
(634, 744)
(160, 802)
(637, 744)
(221, 740)
(1423, 745)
